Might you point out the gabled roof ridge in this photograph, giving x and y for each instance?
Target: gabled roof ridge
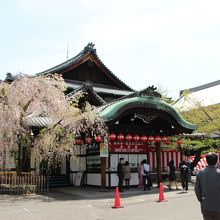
(204, 86)
(87, 49)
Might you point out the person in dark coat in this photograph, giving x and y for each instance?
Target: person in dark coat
(120, 173)
(184, 168)
(207, 188)
(127, 174)
(172, 175)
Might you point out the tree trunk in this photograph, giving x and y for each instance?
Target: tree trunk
(197, 157)
(19, 160)
(103, 173)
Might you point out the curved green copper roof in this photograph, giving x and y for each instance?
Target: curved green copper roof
(113, 111)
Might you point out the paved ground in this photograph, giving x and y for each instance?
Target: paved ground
(89, 203)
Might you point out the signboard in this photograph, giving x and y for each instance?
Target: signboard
(103, 150)
(78, 179)
(93, 149)
(113, 161)
(127, 147)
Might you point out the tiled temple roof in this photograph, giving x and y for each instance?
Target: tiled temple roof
(37, 121)
(86, 52)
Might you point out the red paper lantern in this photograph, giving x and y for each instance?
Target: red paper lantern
(79, 141)
(112, 137)
(98, 139)
(120, 137)
(151, 139)
(164, 139)
(136, 138)
(158, 139)
(144, 138)
(167, 142)
(179, 142)
(88, 140)
(128, 137)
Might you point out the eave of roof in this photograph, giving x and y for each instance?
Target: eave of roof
(65, 64)
(112, 112)
(37, 121)
(100, 89)
(198, 88)
(204, 95)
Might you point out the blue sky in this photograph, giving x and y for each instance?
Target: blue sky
(171, 44)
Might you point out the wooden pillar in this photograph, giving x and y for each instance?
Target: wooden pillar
(158, 157)
(147, 151)
(103, 173)
(181, 150)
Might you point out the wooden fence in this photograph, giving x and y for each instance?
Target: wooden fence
(25, 184)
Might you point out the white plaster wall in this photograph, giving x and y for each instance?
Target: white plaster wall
(63, 166)
(78, 164)
(133, 182)
(114, 179)
(94, 179)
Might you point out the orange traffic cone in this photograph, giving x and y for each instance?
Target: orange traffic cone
(117, 200)
(161, 195)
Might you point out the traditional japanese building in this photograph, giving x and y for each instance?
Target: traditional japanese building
(87, 71)
(138, 121)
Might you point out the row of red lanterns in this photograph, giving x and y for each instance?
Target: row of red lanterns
(143, 138)
(128, 137)
(136, 138)
(88, 140)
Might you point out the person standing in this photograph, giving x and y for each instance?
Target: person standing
(207, 188)
(146, 175)
(184, 168)
(172, 175)
(140, 175)
(120, 173)
(127, 176)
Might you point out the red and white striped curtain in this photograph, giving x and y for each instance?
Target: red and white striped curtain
(201, 164)
(166, 156)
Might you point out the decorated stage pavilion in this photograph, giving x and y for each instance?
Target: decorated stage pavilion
(139, 123)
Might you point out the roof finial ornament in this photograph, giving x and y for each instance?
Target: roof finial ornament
(90, 47)
(150, 91)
